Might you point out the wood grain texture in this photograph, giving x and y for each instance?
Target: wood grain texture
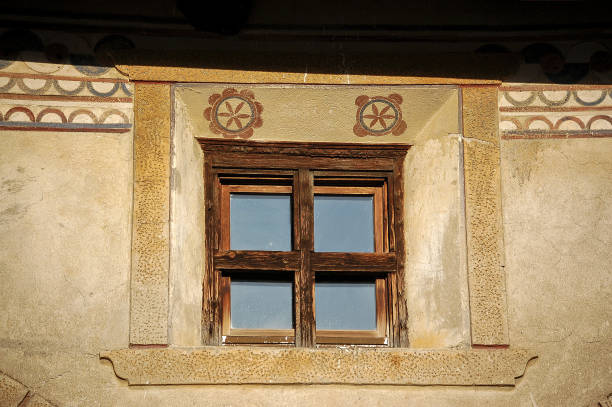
(257, 260)
(400, 321)
(305, 327)
(354, 262)
(211, 321)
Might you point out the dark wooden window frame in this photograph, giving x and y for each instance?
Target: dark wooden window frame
(294, 167)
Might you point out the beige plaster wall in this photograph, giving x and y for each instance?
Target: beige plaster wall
(558, 222)
(186, 232)
(436, 277)
(65, 210)
(65, 230)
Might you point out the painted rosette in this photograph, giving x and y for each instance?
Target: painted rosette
(379, 116)
(234, 114)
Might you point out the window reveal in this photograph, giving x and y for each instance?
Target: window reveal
(302, 247)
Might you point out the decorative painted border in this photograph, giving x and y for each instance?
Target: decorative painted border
(555, 112)
(103, 89)
(266, 365)
(59, 119)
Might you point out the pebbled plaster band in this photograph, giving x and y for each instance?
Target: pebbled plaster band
(486, 278)
(150, 236)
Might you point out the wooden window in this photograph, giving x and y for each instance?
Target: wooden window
(304, 244)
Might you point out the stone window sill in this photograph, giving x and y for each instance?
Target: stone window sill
(268, 365)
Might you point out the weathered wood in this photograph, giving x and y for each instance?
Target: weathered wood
(268, 161)
(382, 320)
(257, 260)
(355, 262)
(252, 338)
(390, 212)
(305, 325)
(211, 323)
(263, 167)
(370, 178)
(350, 338)
(226, 304)
(305, 149)
(401, 321)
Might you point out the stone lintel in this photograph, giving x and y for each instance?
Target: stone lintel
(341, 365)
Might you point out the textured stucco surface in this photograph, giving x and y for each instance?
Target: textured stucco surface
(65, 203)
(557, 222)
(37, 401)
(483, 217)
(65, 263)
(11, 391)
(150, 237)
(268, 365)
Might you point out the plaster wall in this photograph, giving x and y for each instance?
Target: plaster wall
(65, 227)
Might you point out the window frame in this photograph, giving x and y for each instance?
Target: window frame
(301, 163)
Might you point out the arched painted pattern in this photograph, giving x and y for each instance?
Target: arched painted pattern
(49, 111)
(33, 91)
(79, 112)
(514, 120)
(598, 117)
(74, 122)
(549, 102)
(56, 85)
(569, 118)
(544, 119)
(520, 103)
(8, 86)
(112, 112)
(126, 90)
(111, 92)
(22, 109)
(76, 91)
(600, 99)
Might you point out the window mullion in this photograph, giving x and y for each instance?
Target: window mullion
(304, 278)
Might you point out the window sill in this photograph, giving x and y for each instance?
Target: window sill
(339, 365)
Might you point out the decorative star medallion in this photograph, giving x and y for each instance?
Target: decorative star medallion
(233, 113)
(379, 115)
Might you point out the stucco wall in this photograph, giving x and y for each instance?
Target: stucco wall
(65, 261)
(557, 220)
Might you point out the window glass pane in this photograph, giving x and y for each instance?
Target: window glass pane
(343, 223)
(345, 305)
(261, 304)
(260, 222)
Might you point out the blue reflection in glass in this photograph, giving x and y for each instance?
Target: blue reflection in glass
(345, 305)
(261, 304)
(260, 222)
(343, 223)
